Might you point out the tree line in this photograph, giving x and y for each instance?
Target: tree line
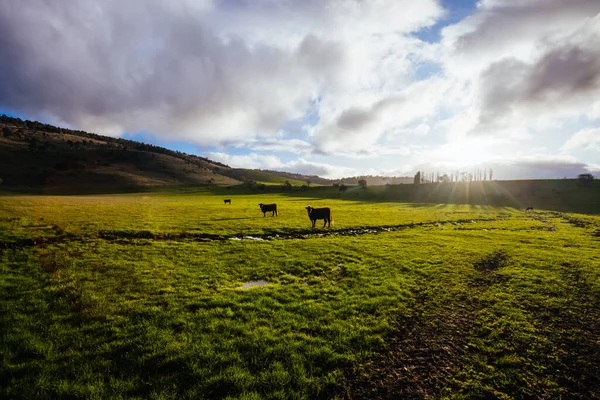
(477, 175)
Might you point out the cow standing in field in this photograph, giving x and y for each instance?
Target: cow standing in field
(319, 213)
(529, 209)
(227, 201)
(265, 208)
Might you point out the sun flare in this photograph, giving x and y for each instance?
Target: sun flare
(467, 153)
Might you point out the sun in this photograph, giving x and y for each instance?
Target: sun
(467, 153)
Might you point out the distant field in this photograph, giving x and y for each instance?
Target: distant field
(176, 295)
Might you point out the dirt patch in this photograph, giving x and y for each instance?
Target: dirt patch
(492, 262)
(576, 222)
(576, 331)
(420, 359)
(572, 332)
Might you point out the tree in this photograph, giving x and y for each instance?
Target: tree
(308, 182)
(417, 179)
(362, 183)
(287, 184)
(585, 179)
(491, 174)
(7, 132)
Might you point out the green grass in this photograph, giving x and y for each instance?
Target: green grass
(477, 302)
(206, 213)
(261, 177)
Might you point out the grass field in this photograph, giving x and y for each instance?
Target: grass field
(176, 295)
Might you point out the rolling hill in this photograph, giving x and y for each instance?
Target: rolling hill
(39, 156)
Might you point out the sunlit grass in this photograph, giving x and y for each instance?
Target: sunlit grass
(157, 213)
(484, 302)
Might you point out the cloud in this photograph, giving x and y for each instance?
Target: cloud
(541, 167)
(557, 80)
(300, 166)
(344, 79)
(163, 70)
(252, 161)
(500, 28)
(209, 72)
(588, 139)
(528, 64)
(278, 145)
(354, 129)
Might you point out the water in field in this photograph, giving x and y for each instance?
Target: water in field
(253, 284)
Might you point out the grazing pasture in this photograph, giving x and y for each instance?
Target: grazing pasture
(162, 295)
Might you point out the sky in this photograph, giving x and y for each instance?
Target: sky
(320, 87)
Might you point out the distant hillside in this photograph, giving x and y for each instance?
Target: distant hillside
(34, 155)
(377, 180)
(276, 177)
(37, 155)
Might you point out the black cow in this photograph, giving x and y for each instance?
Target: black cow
(227, 201)
(319, 213)
(265, 208)
(529, 209)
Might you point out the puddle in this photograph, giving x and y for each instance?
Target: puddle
(128, 235)
(253, 284)
(253, 238)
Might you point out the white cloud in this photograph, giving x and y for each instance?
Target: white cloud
(278, 145)
(261, 161)
(355, 128)
(530, 63)
(209, 72)
(588, 139)
(313, 78)
(540, 166)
